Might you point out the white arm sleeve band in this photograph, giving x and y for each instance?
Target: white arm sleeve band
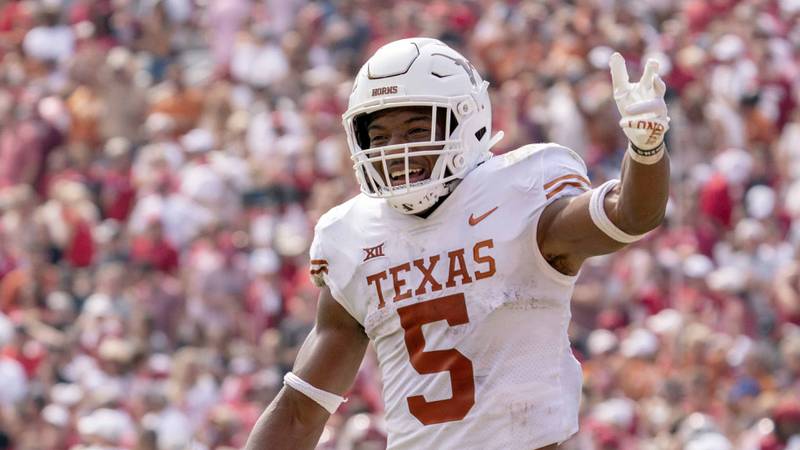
(325, 399)
(599, 217)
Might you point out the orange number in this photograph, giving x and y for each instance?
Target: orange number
(453, 309)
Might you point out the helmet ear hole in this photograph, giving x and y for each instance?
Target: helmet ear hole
(480, 133)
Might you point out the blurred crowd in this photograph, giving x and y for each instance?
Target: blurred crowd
(163, 163)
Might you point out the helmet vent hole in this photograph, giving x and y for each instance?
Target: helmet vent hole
(453, 122)
(479, 134)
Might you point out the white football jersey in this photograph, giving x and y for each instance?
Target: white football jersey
(468, 320)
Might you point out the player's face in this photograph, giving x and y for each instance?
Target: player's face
(401, 126)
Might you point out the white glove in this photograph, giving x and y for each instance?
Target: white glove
(644, 112)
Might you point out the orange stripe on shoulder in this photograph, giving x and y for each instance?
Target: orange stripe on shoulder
(319, 261)
(571, 176)
(318, 271)
(564, 185)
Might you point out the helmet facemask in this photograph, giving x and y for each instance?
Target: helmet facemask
(375, 165)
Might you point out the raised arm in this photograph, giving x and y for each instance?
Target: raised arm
(572, 229)
(328, 360)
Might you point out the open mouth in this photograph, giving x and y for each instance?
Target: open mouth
(397, 174)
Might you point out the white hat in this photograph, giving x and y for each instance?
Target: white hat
(735, 164)
(601, 341)
(117, 146)
(697, 266)
(264, 261)
(109, 424)
(118, 57)
(709, 441)
(66, 394)
(748, 230)
(242, 365)
(728, 47)
(59, 301)
(115, 349)
(55, 415)
(599, 56)
(98, 305)
(615, 411)
(695, 425)
(159, 363)
(641, 343)
(760, 201)
(159, 123)
(53, 110)
(201, 183)
(198, 140)
(173, 430)
(728, 279)
(322, 75)
(666, 321)
(13, 382)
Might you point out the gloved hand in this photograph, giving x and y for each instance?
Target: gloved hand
(644, 112)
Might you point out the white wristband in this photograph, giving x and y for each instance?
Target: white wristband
(646, 157)
(600, 218)
(325, 399)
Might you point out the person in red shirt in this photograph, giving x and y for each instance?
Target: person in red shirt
(117, 192)
(152, 248)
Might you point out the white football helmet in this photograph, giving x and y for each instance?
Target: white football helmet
(420, 72)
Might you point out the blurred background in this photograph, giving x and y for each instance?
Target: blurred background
(163, 163)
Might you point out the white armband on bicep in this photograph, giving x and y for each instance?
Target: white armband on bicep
(326, 399)
(600, 218)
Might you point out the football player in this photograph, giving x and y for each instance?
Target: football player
(458, 265)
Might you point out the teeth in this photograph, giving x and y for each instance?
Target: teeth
(397, 174)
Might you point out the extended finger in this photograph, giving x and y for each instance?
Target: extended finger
(650, 71)
(660, 86)
(619, 73)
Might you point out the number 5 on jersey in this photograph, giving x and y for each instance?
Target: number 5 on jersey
(453, 309)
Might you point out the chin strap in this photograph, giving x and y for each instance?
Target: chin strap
(495, 139)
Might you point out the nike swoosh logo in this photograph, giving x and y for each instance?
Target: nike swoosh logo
(476, 220)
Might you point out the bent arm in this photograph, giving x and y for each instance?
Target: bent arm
(567, 235)
(637, 205)
(329, 360)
